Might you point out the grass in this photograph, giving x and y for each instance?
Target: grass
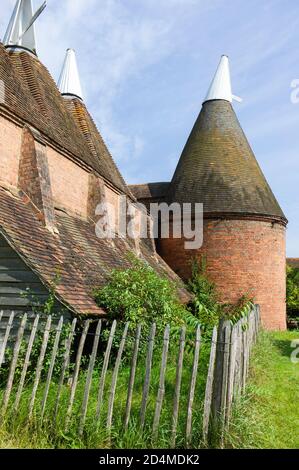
(267, 417)
(16, 432)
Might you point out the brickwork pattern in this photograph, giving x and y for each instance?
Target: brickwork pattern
(34, 178)
(243, 257)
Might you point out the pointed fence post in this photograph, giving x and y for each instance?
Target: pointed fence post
(104, 371)
(218, 408)
(6, 336)
(192, 387)
(115, 376)
(231, 373)
(26, 363)
(40, 365)
(91, 365)
(76, 373)
(65, 365)
(51, 368)
(178, 383)
(209, 387)
(13, 364)
(148, 371)
(132, 377)
(161, 390)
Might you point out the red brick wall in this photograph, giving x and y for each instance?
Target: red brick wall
(69, 183)
(10, 148)
(34, 179)
(243, 257)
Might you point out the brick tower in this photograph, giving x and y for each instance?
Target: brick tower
(244, 226)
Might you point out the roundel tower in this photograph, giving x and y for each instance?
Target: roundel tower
(244, 226)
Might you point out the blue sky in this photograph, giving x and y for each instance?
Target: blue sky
(146, 65)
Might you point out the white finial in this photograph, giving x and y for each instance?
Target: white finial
(221, 88)
(21, 31)
(69, 81)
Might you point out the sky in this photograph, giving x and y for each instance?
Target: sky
(146, 65)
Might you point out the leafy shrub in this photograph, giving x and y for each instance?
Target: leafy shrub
(139, 296)
(293, 292)
(205, 306)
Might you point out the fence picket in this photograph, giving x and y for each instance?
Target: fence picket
(192, 387)
(13, 364)
(148, 371)
(66, 360)
(1, 314)
(6, 336)
(26, 363)
(226, 347)
(132, 376)
(76, 372)
(161, 390)
(115, 376)
(89, 377)
(238, 370)
(51, 368)
(209, 387)
(178, 383)
(231, 349)
(104, 370)
(231, 373)
(244, 357)
(40, 365)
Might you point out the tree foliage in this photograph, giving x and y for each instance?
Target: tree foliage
(140, 296)
(293, 292)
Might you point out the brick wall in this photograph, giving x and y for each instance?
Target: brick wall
(243, 257)
(69, 182)
(34, 178)
(10, 148)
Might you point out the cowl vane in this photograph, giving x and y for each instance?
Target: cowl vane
(69, 83)
(21, 31)
(221, 88)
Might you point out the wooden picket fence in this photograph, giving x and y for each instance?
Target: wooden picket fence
(227, 372)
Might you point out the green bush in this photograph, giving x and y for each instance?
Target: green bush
(139, 296)
(205, 305)
(293, 292)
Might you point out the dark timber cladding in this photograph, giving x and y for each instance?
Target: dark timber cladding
(20, 288)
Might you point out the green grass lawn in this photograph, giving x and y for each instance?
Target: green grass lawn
(268, 415)
(16, 432)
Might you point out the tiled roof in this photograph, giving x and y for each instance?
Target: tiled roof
(81, 260)
(32, 95)
(218, 168)
(149, 190)
(293, 262)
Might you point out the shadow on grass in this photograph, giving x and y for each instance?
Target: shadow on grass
(284, 346)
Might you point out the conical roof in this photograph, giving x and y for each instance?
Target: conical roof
(69, 83)
(218, 167)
